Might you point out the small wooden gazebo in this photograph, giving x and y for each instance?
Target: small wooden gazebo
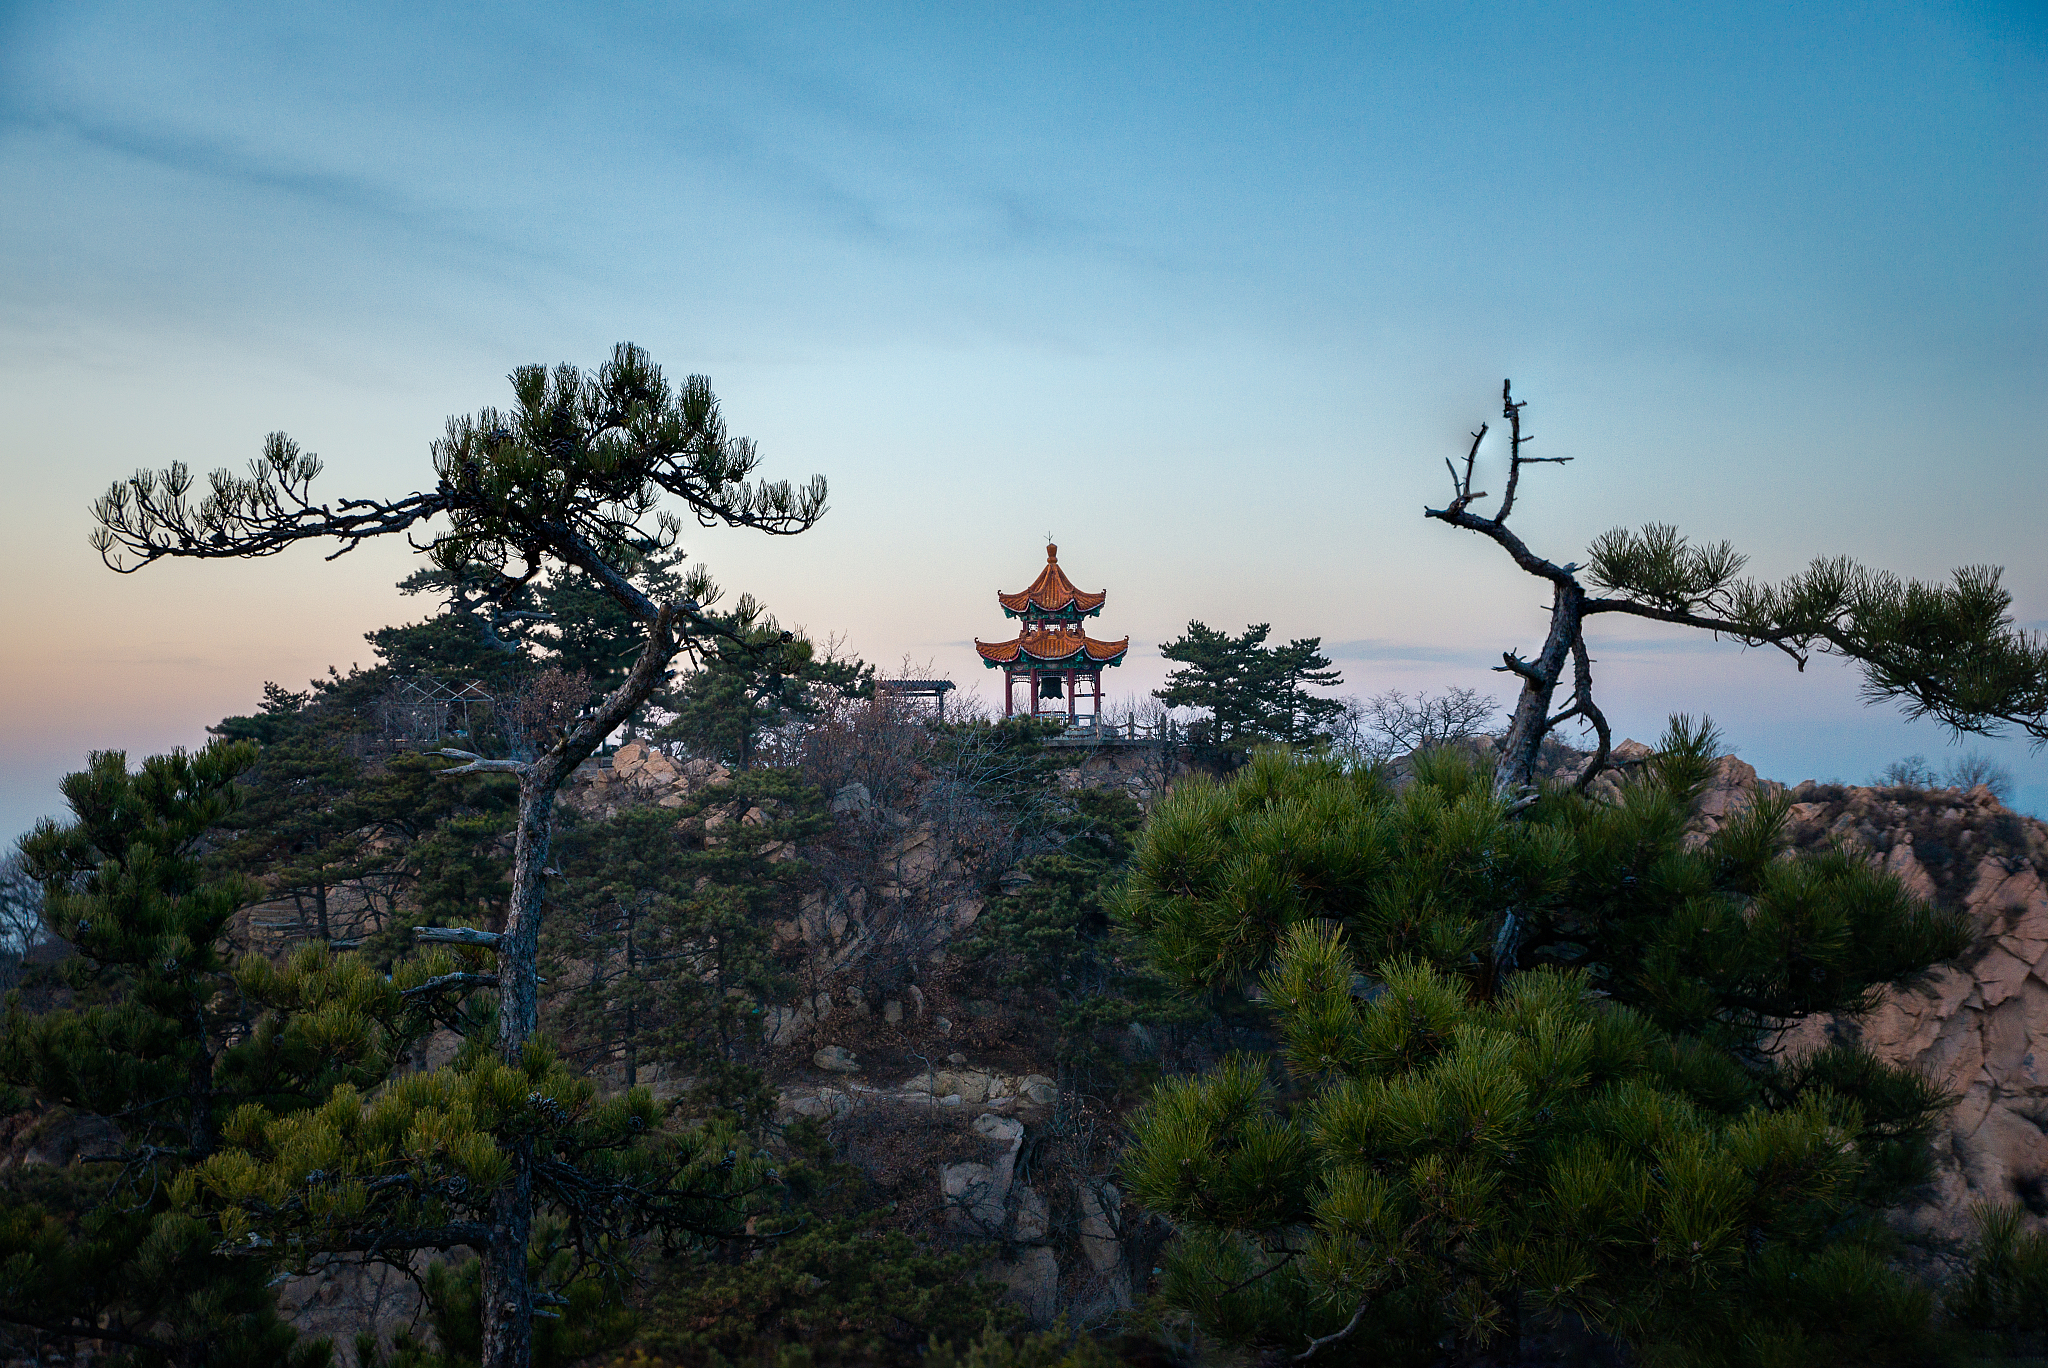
(1052, 653)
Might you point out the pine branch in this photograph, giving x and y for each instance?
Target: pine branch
(478, 764)
(442, 982)
(458, 935)
(1316, 1345)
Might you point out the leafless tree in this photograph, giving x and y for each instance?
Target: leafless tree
(1968, 771)
(1911, 772)
(1394, 723)
(21, 916)
(543, 709)
(927, 816)
(1963, 772)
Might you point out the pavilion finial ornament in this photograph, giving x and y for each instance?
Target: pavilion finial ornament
(1052, 654)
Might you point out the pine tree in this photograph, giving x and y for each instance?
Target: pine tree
(1055, 937)
(1524, 1082)
(299, 832)
(573, 475)
(755, 681)
(464, 867)
(1946, 651)
(838, 1293)
(2001, 1300)
(581, 628)
(662, 935)
(1253, 692)
(387, 845)
(1301, 717)
(283, 714)
(1220, 673)
(172, 1040)
(502, 635)
(466, 640)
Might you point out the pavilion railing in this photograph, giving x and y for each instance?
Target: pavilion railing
(1085, 728)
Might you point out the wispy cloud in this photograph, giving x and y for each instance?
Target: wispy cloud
(239, 165)
(1387, 649)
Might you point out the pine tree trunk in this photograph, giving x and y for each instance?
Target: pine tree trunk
(518, 992)
(632, 1008)
(507, 1296)
(1524, 744)
(199, 1091)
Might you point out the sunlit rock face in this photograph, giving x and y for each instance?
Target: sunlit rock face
(1978, 1026)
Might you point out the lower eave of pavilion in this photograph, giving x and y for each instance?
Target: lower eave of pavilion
(1073, 651)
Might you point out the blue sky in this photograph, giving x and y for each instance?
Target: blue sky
(1208, 292)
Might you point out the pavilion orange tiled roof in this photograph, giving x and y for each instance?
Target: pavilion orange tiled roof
(1053, 646)
(1052, 592)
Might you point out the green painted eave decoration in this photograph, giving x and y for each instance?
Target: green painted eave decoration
(1070, 613)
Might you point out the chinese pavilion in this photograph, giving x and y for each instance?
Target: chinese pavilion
(1052, 652)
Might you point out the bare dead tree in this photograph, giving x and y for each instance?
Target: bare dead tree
(577, 473)
(1394, 723)
(1966, 772)
(21, 916)
(928, 816)
(1949, 652)
(542, 709)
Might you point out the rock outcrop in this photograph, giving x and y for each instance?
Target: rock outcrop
(1978, 1027)
(1062, 1233)
(1145, 770)
(56, 1137)
(339, 1300)
(638, 773)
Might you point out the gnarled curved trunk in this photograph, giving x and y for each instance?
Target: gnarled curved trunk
(1515, 771)
(1514, 774)
(507, 1295)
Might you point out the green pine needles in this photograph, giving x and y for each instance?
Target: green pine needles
(168, 1036)
(419, 1163)
(266, 1118)
(1527, 1100)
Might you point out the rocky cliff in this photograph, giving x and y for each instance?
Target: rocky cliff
(931, 1080)
(1979, 1026)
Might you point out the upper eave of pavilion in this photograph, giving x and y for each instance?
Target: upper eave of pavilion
(1055, 647)
(1052, 593)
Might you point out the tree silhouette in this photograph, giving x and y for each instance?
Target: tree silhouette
(576, 477)
(1253, 691)
(1948, 651)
